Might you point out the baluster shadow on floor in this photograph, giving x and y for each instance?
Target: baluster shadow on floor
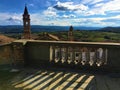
(49, 80)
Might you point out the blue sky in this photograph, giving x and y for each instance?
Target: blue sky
(95, 13)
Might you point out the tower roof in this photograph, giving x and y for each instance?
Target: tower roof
(71, 28)
(25, 10)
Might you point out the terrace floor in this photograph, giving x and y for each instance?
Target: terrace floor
(64, 80)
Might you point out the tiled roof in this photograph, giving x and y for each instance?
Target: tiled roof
(4, 39)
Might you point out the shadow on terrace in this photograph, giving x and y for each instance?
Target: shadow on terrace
(51, 80)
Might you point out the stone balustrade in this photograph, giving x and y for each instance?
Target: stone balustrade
(80, 55)
(39, 52)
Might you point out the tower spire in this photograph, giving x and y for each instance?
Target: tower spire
(25, 10)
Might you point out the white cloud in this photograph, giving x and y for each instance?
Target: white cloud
(96, 11)
(96, 1)
(101, 7)
(62, 22)
(13, 19)
(10, 19)
(65, 16)
(117, 17)
(98, 5)
(31, 4)
(86, 1)
(111, 6)
(68, 16)
(100, 21)
(72, 15)
(66, 6)
(91, 1)
(50, 12)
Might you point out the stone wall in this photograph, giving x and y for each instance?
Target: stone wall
(114, 57)
(5, 54)
(37, 53)
(12, 53)
(17, 53)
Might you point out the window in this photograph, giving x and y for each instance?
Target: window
(26, 23)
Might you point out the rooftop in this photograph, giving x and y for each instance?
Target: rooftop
(4, 39)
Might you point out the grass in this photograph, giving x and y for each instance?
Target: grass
(82, 35)
(91, 36)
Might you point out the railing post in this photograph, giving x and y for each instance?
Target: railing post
(70, 55)
(92, 55)
(106, 56)
(51, 53)
(63, 54)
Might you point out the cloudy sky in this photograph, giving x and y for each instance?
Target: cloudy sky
(95, 13)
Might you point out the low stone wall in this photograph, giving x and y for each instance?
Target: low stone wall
(5, 54)
(12, 53)
(18, 53)
(114, 57)
(37, 53)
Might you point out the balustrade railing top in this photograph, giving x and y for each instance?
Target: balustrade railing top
(67, 42)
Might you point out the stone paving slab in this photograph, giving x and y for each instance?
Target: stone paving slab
(51, 80)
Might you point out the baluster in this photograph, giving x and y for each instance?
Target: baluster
(92, 56)
(99, 57)
(63, 54)
(84, 56)
(77, 55)
(57, 54)
(70, 55)
(51, 53)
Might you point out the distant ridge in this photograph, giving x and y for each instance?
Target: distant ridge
(111, 29)
(39, 28)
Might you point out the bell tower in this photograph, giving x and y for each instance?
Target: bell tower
(26, 24)
(70, 34)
